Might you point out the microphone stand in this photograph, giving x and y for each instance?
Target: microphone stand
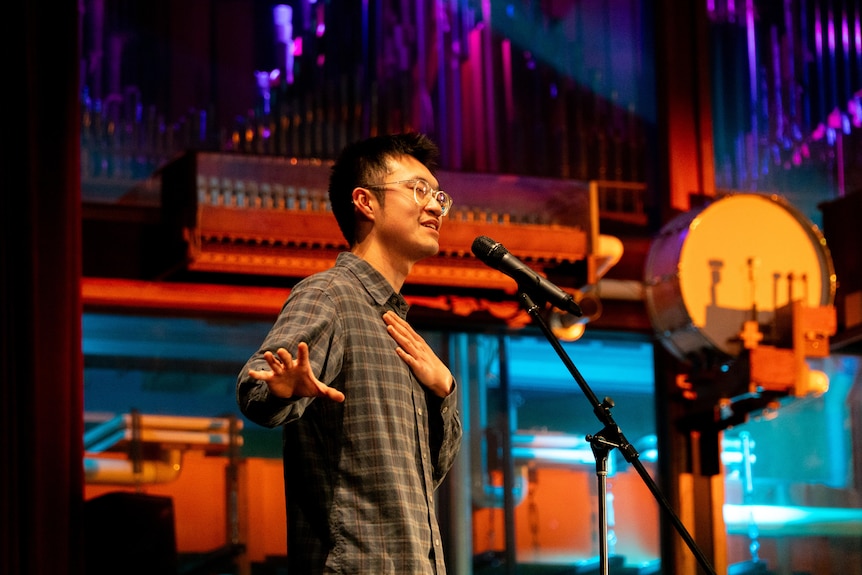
(610, 437)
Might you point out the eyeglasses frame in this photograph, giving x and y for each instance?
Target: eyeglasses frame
(431, 193)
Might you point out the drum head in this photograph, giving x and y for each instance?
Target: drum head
(737, 259)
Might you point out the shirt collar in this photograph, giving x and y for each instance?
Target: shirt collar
(373, 282)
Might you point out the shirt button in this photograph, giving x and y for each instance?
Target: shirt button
(445, 409)
(437, 542)
(419, 411)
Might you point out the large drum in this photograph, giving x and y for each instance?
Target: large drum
(737, 259)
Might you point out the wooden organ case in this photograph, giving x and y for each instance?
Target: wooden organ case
(269, 217)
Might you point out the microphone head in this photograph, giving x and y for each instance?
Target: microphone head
(487, 249)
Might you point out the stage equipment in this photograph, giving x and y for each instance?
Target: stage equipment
(130, 533)
(134, 448)
(740, 291)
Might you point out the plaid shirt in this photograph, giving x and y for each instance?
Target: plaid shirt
(359, 475)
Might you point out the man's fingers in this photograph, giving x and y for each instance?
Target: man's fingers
(258, 374)
(333, 394)
(400, 330)
(302, 352)
(283, 356)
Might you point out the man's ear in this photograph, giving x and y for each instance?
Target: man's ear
(363, 199)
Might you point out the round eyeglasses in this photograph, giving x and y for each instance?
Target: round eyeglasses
(422, 193)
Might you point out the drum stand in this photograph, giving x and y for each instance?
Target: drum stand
(610, 437)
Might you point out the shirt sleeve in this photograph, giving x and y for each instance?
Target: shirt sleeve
(308, 315)
(445, 431)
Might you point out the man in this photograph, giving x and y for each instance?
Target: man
(369, 417)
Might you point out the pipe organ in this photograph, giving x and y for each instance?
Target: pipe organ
(268, 216)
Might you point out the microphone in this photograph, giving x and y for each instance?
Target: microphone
(496, 256)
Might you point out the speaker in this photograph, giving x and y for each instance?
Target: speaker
(129, 533)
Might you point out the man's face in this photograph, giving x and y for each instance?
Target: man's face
(407, 228)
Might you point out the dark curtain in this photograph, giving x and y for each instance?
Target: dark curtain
(41, 387)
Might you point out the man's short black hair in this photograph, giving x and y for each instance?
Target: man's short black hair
(365, 162)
